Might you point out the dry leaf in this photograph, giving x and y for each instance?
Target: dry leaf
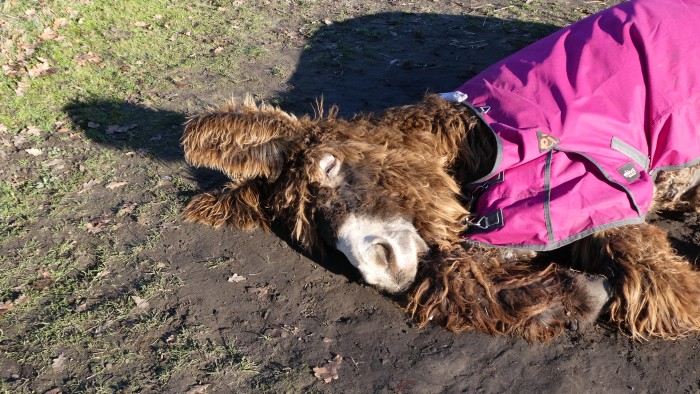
(86, 58)
(55, 163)
(33, 131)
(82, 307)
(93, 125)
(141, 303)
(59, 22)
(218, 49)
(140, 24)
(171, 339)
(126, 209)
(103, 274)
(113, 128)
(88, 185)
(98, 225)
(329, 371)
(3, 128)
(21, 86)
(12, 70)
(114, 185)
(59, 363)
(55, 390)
(48, 34)
(39, 69)
(34, 151)
(6, 307)
(236, 278)
(200, 388)
(19, 139)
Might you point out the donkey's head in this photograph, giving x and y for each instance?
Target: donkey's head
(377, 188)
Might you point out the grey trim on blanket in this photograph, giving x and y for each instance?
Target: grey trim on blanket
(654, 172)
(631, 152)
(563, 242)
(548, 196)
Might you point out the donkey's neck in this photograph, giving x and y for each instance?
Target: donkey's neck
(478, 151)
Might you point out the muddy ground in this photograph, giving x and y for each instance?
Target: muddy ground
(285, 311)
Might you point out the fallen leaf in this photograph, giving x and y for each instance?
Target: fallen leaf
(88, 185)
(82, 307)
(21, 86)
(19, 139)
(3, 128)
(140, 24)
(33, 131)
(39, 69)
(329, 371)
(34, 151)
(281, 331)
(19, 301)
(126, 209)
(103, 327)
(59, 22)
(113, 128)
(141, 303)
(97, 225)
(327, 340)
(6, 307)
(103, 274)
(114, 185)
(171, 339)
(57, 164)
(236, 278)
(12, 70)
(218, 49)
(157, 16)
(55, 390)
(86, 58)
(200, 388)
(48, 34)
(59, 363)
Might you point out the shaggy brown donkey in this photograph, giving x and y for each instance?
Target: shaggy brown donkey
(385, 189)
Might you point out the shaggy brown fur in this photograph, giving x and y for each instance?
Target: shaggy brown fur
(410, 162)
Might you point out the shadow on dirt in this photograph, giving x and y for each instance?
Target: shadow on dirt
(363, 64)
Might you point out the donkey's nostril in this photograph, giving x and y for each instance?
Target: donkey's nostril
(385, 250)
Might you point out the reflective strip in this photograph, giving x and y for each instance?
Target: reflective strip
(631, 152)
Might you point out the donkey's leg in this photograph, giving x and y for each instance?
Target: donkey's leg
(479, 289)
(236, 205)
(678, 189)
(656, 291)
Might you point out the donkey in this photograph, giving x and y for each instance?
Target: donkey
(419, 198)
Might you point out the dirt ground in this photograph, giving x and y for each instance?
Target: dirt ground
(222, 311)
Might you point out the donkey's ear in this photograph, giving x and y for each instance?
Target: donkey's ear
(236, 205)
(244, 141)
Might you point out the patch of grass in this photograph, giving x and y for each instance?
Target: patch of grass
(14, 209)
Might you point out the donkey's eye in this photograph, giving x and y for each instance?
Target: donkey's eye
(330, 165)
